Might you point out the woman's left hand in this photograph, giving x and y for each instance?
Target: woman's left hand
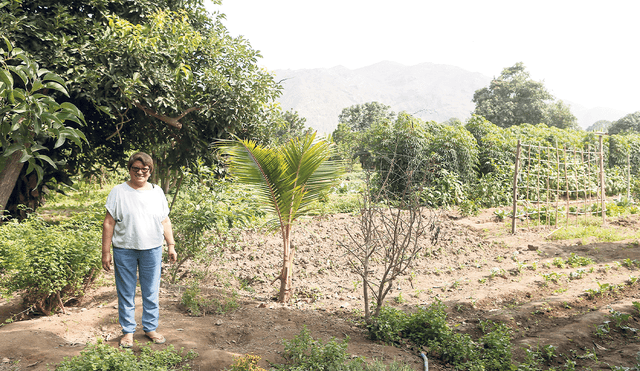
(173, 255)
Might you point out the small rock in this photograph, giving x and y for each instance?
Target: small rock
(532, 247)
(262, 305)
(83, 309)
(344, 305)
(218, 322)
(6, 360)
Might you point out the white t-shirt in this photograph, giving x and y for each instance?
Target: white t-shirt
(138, 215)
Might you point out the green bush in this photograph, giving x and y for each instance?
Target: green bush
(446, 189)
(428, 328)
(304, 353)
(615, 181)
(495, 188)
(388, 325)
(101, 356)
(496, 346)
(49, 264)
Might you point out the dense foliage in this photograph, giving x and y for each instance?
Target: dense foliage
(513, 99)
(50, 264)
(164, 77)
(101, 356)
(361, 117)
(630, 122)
(31, 123)
(304, 353)
(472, 165)
(428, 328)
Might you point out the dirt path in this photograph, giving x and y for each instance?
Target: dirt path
(479, 270)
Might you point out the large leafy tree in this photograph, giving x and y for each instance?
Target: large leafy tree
(629, 123)
(600, 126)
(514, 98)
(160, 76)
(432, 150)
(288, 179)
(30, 118)
(353, 123)
(360, 117)
(283, 126)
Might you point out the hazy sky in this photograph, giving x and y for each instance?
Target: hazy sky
(585, 51)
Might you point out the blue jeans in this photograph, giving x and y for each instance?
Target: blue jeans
(127, 263)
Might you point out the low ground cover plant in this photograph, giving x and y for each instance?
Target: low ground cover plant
(101, 356)
(304, 353)
(428, 329)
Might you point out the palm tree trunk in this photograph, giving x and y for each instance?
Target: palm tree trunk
(286, 284)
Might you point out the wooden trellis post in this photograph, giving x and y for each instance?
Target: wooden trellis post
(515, 190)
(602, 187)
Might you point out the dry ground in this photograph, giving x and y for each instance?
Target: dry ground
(328, 298)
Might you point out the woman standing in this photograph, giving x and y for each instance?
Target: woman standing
(136, 222)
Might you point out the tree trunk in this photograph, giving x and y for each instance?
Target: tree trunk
(9, 177)
(286, 286)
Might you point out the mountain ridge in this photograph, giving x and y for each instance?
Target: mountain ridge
(426, 90)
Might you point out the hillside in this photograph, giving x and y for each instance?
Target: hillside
(429, 91)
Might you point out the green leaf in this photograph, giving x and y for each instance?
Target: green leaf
(12, 148)
(30, 167)
(74, 110)
(47, 159)
(37, 85)
(56, 86)
(37, 147)
(6, 77)
(19, 94)
(25, 157)
(53, 77)
(60, 141)
(19, 70)
(6, 41)
(51, 117)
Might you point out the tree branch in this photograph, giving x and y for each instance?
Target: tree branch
(173, 121)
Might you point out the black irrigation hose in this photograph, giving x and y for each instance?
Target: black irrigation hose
(426, 362)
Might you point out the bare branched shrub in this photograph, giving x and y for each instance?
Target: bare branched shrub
(395, 229)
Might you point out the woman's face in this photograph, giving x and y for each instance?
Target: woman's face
(139, 173)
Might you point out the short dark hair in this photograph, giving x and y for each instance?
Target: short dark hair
(142, 157)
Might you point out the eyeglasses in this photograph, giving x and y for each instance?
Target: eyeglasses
(138, 169)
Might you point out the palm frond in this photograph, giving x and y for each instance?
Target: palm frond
(288, 178)
(256, 166)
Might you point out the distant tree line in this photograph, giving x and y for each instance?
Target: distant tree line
(471, 164)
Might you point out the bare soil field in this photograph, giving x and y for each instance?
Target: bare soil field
(479, 270)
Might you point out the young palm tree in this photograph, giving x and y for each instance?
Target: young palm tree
(288, 179)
